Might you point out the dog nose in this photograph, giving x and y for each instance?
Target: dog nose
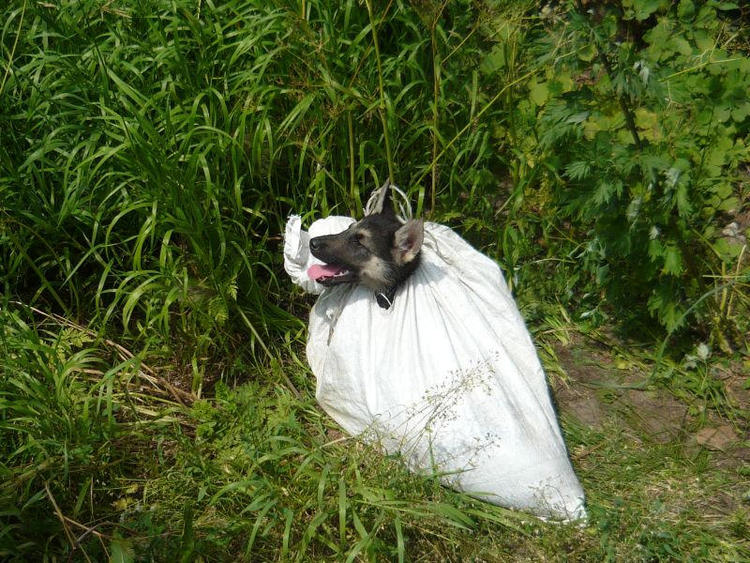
(314, 243)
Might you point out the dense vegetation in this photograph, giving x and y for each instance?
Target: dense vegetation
(155, 401)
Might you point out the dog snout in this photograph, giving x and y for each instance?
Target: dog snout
(315, 243)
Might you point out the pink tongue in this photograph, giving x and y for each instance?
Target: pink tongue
(317, 271)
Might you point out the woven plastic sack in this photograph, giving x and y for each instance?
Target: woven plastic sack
(447, 376)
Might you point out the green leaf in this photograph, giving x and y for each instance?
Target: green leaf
(648, 123)
(727, 249)
(704, 41)
(538, 92)
(655, 248)
(121, 550)
(644, 8)
(658, 37)
(578, 169)
(604, 192)
(672, 261)
(587, 53)
(729, 204)
(740, 112)
(681, 45)
(578, 117)
(187, 541)
(663, 305)
(686, 10)
(494, 61)
(684, 208)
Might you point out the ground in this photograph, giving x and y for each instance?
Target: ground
(675, 464)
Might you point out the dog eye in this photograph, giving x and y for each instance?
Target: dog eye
(356, 239)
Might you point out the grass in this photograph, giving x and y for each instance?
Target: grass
(155, 402)
(110, 462)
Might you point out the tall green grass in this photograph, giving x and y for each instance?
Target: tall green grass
(154, 398)
(153, 152)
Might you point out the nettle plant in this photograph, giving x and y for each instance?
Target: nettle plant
(642, 124)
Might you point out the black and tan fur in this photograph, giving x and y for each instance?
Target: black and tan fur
(379, 251)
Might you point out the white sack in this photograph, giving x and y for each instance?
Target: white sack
(297, 256)
(447, 376)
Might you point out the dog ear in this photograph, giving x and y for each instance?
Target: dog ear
(407, 241)
(383, 204)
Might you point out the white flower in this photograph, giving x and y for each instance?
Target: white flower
(703, 351)
(643, 71)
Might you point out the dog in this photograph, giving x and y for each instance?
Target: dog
(379, 252)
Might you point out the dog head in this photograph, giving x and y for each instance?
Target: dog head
(378, 251)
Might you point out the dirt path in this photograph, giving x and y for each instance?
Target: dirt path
(605, 394)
